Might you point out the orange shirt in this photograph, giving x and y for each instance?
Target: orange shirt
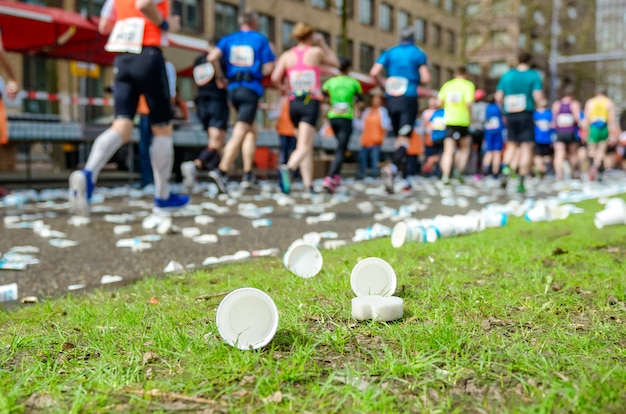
(415, 144)
(373, 131)
(284, 126)
(142, 106)
(152, 34)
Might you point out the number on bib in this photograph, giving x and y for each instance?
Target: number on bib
(126, 36)
(543, 125)
(438, 124)
(515, 103)
(203, 74)
(455, 97)
(341, 108)
(241, 56)
(564, 120)
(302, 80)
(492, 123)
(396, 86)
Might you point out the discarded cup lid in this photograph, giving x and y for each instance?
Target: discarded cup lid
(303, 259)
(247, 318)
(373, 276)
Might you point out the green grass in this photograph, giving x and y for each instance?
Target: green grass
(529, 318)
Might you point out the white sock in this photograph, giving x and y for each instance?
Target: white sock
(162, 160)
(104, 147)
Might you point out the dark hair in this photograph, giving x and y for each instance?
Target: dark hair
(461, 70)
(569, 90)
(345, 63)
(524, 57)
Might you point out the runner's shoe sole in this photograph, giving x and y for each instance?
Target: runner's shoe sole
(217, 178)
(188, 170)
(79, 202)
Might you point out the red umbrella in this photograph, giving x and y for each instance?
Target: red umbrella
(50, 31)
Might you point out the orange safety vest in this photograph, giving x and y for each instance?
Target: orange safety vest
(373, 131)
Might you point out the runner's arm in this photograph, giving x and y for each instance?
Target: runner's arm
(555, 111)
(278, 74)
(328, 57)
(149, 9)
(107, 18)
(425, 76)
(576, 111)
(215, 57)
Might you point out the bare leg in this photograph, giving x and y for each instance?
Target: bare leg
(248, 149)
(304, 149)
(559, 157)
(233, 146)
(462, 155)
(525, 158)
(447, 157)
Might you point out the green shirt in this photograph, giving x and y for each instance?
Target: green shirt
(518, 87)
(342, 90)
(456, 94)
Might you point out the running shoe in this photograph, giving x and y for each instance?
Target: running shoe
(521, 189)
(248, 180)
(189, 171)
(386, 174)
(445, 180)
(337, 180)
(81, 189)
(329, 185)
(219, 180)
(284, 179)
(173, 202)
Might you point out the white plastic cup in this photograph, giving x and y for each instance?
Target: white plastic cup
(303, 260)
(614, 202)
(493, 219)
(538, 213)
(610, 217)
(373, 277)
(247, 318)
(445, 227)
(377, 308)
(404, 232)
(466, 224)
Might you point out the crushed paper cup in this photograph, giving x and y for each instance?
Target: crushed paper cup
(247, 318)
(610, 217)
(377, 308)
(203, 220)
(173, 267)
(373, 277)
(205, 239)
(110, 279)
(8, 292)
(190, 232)
(303, 259)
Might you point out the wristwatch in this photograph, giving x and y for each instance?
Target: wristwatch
(164, 25)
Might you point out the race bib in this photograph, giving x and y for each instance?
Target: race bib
(454, 97)
(241, 56)
(564, 120)
(396, 86)
(341, 108)
(302, 80)
(126, 36)
(203, 74)
(492, 123)
(543, 125)
(438, 124)
(515, 103)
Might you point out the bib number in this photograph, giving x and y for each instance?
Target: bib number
(302, 80)
(241, 56)
(455, 97)
(515, 103)
(341, 108)
(492, 123)
(564, 120)
(126, 36)
(437, 124)
(396, 86)
(543, 125)
(203, 74)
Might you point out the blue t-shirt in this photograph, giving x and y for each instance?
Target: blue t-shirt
(402, 63)
(245, 53)
(493, 119)
(437, 125)
(543, 126)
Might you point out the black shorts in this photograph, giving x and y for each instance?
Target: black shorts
(566, 137)
(402, 111)
(457, 132)
(544, 150)
(142, 74)
(435, 149)
(246, 102)
(521, 127)
(304, 110)
(213, 113)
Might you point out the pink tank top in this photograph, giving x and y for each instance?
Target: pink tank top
(304, 79)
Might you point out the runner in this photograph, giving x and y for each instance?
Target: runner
(566, 115)
(477, 130)
(212, 109)
(544, 134)
(302, 64)
(456, 96)
(405, 67)
(137, 32)
(433, 147)
(493, 138)
(342, 91)
(601, 124)
(518, 90)
(248, 57)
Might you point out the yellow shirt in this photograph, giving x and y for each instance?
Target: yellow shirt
(456, 94)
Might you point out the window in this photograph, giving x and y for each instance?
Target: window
(385, 19)
(326, 37)
(436, 35)
(404, 19)
(190, 14)
(500, 38)
(473, 41)
(448, 5)
(38, 74)
(472, 9)
(365, 12)
(474, 68)
(286, 34)
(366, 60)
(449, 74)
(521, 41)
(538, 47)
(499, 7)
(539, 18)
(436, 76)
(87, 7)
(349, 6)
(225, 19)
(420, 30)
(320, 4)
(572, 13)
(267, 27)
(349, 45)
(435, 3)
(451, 41)
(498, 69)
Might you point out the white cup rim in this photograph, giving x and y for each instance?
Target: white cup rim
(358, 286)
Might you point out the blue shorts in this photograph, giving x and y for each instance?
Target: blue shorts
(493, 141)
